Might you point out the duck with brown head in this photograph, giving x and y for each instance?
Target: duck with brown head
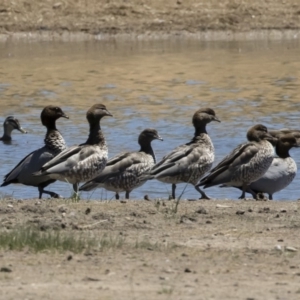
(123, 172)
(10, 124)
(281, 172)
(246, 163)
(81, 162)
(54, 144)
(189, 162)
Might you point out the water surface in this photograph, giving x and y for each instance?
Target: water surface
(148, 84)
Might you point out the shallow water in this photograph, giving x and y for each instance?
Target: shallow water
(148, 84)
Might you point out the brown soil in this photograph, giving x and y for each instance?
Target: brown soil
(152, 16)
(207, 250)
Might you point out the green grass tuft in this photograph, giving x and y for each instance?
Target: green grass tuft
(60, 241)
(32, 238)
(36, 240)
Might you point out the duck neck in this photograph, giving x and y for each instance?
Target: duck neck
(146, 148)
(7, 133)
(6, 137)
(282, 152)
(96, 136)
(201, 128)
(51, 127)
(50, 123)
(54, 139)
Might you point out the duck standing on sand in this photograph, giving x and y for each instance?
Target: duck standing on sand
(281, 172)
(246, 163)
(81, 162)
(189, 162)
(54, 144)
(123, 172)
(10, 124)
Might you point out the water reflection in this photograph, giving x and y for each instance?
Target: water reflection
(148, 84)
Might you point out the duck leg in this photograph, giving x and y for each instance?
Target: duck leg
(76, 196)
(117, 196)
(203, 195)
(127, 195)
(52, 194)
(173, 190)
(75, 187)
(244, 187)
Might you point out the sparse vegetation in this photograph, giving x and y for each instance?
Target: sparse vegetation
(165, 291)
(36, 240)
(144, 249)
(56, 240)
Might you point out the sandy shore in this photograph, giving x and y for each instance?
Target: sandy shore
(205, 250)
(121, 19)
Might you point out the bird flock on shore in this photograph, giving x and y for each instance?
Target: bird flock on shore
(261, 165)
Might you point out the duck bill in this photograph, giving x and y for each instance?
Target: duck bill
(64, 116)
(216, 119)
(22, 130)
(273, 140)
(108, 113)
(159, 138)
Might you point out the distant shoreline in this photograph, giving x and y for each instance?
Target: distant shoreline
(208, 35)
(209, 20)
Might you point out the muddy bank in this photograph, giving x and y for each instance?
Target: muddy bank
(205, 250)
(212, 19)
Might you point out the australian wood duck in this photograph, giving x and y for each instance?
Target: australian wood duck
(123, 172)
(281, 172)
(10, 124)
(54, 144)
(85, 161)
(188, 162)
(246, 163)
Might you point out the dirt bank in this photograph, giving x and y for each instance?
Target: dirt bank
(143, 249)
(150, 17)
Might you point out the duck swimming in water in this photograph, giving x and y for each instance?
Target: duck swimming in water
(10, 124)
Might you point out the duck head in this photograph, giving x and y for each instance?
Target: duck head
(50, 114)
(260, 132)
(149, 135)
(96, 113)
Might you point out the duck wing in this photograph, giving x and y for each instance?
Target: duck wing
(222, 173)
(61, 157)
(125, 164)
(179, 160)
(22, 172)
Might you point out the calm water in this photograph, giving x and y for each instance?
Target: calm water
(148, 84)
